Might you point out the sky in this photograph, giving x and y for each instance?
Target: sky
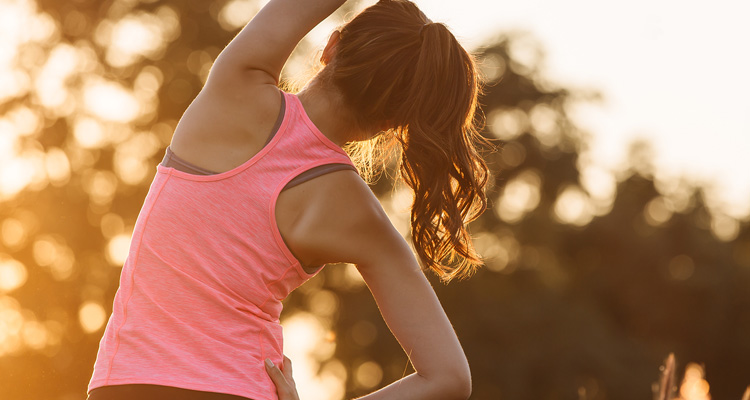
(671, 72)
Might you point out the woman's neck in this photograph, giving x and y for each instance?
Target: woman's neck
(326, 109)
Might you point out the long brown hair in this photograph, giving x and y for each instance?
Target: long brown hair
(408, 77)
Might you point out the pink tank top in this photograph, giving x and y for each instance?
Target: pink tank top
(200, 292)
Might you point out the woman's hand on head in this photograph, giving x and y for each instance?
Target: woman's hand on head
(285, 387)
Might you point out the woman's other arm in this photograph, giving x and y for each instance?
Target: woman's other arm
(265, 43)
(344, 222)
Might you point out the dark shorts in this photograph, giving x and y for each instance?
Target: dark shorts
(155, 392)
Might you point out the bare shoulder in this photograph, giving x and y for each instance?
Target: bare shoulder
(242, 88)
(226, 124)
(341, 220)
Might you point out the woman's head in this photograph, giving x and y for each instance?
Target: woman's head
(399, 72)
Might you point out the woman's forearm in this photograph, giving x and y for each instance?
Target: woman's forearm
(268, 39)
(417, 387)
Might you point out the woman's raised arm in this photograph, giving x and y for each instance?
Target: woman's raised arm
(344, 222)
(266, 42)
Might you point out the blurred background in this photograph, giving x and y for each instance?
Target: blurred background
(618, 230)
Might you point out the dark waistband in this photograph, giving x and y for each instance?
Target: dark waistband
(155, 392)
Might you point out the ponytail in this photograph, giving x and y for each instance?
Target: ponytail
(395, 65)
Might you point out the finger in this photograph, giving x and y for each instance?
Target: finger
(287, 369)
(276, 375)
(284, 389)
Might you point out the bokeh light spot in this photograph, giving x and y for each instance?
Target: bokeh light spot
(34, 334)
(724, 227)
(323, 303)
(681, 267)
(111, 225)
(13, 232)
(368, 374)
(657, 212)
(131, 170)
(11, 323)
(364, 333)
(398, 208)
(117, 249)
(138, 35)
(131, 37)
(492, 67)
(236, 13)
(44, 251)
(15, 175)
(508, 253)
(100, 185)
(50, 85)
(601, 186)
(131, 157)
(110, 101)
(520, 196)
(51, 253)
(24, 121)
(12, 274)
(62, 268)
(525, 53)
(57, 166)
(573, 207)
(91, 316)
(694, 386)
(494, 254)
(507, 124)
(513, 154)
(89, 133)
(543, 120)
(148, 81)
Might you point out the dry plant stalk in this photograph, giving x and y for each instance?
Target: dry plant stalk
(666, 383)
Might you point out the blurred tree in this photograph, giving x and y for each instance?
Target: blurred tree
(590, 280)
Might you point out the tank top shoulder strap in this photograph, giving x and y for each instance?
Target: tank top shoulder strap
(172, 160)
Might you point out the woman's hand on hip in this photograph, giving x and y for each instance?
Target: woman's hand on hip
(283, 380)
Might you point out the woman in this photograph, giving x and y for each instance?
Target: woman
(256, 194)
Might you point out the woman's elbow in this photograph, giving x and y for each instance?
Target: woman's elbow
(463, 388)
(457, 385)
